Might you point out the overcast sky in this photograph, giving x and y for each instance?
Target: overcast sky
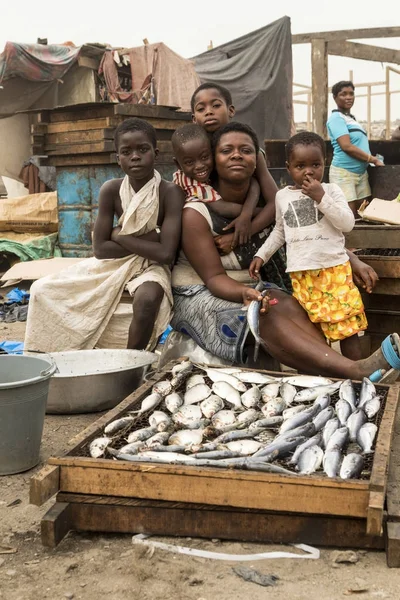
(188, 28)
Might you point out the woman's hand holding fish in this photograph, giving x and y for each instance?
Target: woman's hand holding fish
(255, 266)
(250, 294)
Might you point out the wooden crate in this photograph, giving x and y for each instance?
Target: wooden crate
(118, 496)
(373, 236)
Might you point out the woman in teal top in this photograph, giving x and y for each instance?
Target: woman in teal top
(351, 152)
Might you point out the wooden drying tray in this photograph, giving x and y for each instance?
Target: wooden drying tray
(373, 236)
(109, 495)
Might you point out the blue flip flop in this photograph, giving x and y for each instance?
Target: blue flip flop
(391, 352)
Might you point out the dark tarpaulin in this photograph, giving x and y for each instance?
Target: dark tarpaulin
(257, 70)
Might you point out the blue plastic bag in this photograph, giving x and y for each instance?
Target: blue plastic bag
(12, 347)
(17, 295)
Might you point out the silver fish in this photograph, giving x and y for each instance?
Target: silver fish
(330, 427)
(98, 446)
(132, 448)
(200, 424)
(216, 375)
(308, 394)
(249, 416)
(251, 397)
(173, 402)
(197, 393)
(355, 422)
(293, 410)
(194, 380)
(186, 437)
(267, 422)
(245, 447)
(343, 411)
(140, 435)
(274, 407)
(306, 430)
(160, 420)
(338, 438)
(352, 466)
(254, 377)
(321, 419)
(227, 392)
(149, 403)
(331, 462)
(117, 425)
(231, 436)
(266, 436)
(287, 391)
(310, 460)
(372, 407)
(158, 439)
(366, 436)
(313, 441)
(185, 367)
(231, 371)
(303, 417)
(211, 405)
(253, 321)
(367, 392)
(222, 418)
(163, 387)
(216, 454)
(280, 447)
(348, 393)
(188, 413)
(323, 401)
(270, 391)
(307, 381)
(167, 457)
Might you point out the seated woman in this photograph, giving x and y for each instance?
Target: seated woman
(210, 290)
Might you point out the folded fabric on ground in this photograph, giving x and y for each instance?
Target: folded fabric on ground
(33, 248)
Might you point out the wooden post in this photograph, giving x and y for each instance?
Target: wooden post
(319, 65)
(309, 108)
(387, 103)
(369, 111)
(351, 75)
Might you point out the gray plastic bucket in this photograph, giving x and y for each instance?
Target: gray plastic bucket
(24, 386)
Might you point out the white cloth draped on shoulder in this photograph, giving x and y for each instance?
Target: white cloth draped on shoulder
(71, 310)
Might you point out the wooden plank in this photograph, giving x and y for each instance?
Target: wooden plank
(393, 486)
(347, 34)
(393, 544)
(380, 322)
(373, 236)
(364, 52)
(91, 135)
(319, 68)
(84, 159)
(79, 113)
(83, 125)
(232, 524)
(44, 485)
(155, 112)
(385, 266)
(57, 150)
(55, 524)
(39, 128)
(388, 287)
(381, 302)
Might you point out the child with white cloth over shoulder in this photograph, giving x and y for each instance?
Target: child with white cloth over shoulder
(310, 218)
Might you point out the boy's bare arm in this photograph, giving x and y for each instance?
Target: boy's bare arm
(242, 223)
(268, 190)
(103, 246)
(229, 210)
(164, 250)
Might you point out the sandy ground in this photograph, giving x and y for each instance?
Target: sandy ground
(95, 566)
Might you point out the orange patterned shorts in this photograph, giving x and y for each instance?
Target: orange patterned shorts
(331, 299)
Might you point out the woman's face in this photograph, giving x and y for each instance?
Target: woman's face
(235, 156)
(345, 98)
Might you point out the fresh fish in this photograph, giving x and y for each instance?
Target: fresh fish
(253, 377)
(306, 430)
(231, 436)
(251, 397)
(245, 447)
(166, 457)
(200, 424)
(193, 380)
(293, 410)
(227, 392)
(352, 466)
(149, 403)
(183, 367)
(338, 438)
(197, 393)
(371, 407)
(366, 436)
(323, 401)
(162, 387)
(140, 435)
(348, 393)
(186, 437)
(274, 407)
(270, 391)
(280, 447)
(99, 446)
(117, 425)
(313, 441)
(211, 405)
(158, 439)
(323, 417)
(287, 391)
(188, 413)
(216, 454)
(343, 411)
(307, 394)
(330, 427)
(310, 460)
(266, 436)
(267, 422)
(173, 402)
(160, 420)
(217, 375)
(303, 417)
(367, 392)
(231, 370)
(253, 321)
(249, 416)
(355, 422)
(132, 448)
(331, 462)
(222, 418)
(307, 381)
(171, 448)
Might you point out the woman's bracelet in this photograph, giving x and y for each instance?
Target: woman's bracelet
(369, 158)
